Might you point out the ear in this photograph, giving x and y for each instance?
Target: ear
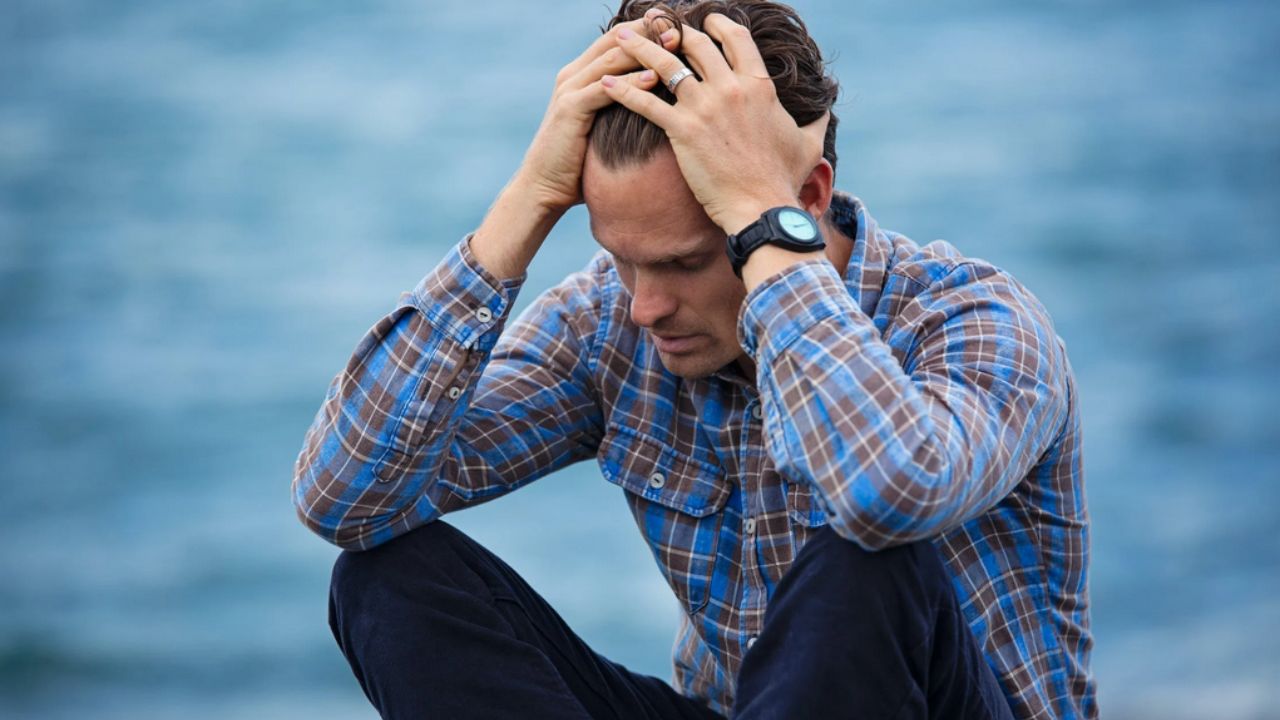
(815, 193)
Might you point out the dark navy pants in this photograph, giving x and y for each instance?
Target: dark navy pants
(436, 626)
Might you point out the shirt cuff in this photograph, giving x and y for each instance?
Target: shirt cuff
(464, 300)
(782, 308)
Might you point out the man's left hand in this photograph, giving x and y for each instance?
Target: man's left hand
(739, 150)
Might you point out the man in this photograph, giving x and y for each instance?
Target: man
(856, 460)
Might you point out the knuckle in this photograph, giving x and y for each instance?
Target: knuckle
(695, 37)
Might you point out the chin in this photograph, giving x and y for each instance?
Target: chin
(691, 367)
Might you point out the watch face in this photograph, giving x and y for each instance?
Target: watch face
(797, 224)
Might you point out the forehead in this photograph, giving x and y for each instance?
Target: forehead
(647, 213)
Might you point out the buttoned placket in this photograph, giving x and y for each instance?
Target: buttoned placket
(454, 387)
(484, 316)
(751, 460)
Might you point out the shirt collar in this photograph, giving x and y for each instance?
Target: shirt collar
(872, 255)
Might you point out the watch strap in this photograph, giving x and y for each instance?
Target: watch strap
(767, 230)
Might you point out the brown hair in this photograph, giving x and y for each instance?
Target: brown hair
(621, 137)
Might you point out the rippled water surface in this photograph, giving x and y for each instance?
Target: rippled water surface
(204, 205)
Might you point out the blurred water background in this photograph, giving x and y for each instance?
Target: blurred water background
(203, 205)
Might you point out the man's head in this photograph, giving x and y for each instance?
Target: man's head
(669, 254)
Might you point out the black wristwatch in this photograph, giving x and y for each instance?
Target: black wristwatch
(787, 227)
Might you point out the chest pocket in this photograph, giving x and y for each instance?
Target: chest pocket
(676, 501)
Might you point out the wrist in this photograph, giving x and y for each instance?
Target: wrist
(513, 230)
(738, 216)
(769, 260)
(531, 197)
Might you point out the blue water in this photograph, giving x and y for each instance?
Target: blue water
(204, 205)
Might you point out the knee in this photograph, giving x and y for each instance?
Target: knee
(852, 567)
(416, 556)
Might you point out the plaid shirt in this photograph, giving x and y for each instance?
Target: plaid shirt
(918, 394)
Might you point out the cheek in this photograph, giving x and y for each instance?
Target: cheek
(720, 297)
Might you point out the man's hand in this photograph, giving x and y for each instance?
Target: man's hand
(553, 164)
(738, 148)
(549, 180)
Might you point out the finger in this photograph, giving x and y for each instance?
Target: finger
(595, 96)
(614, 61)
(602, 45)
(654, 57)
(702, 54)
(645, 103)
(738, 45)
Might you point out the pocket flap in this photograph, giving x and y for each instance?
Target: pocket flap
(656, 472)
(803, 505)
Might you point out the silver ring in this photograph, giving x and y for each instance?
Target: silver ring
(681, 74)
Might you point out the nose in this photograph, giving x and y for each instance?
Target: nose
(651, 301)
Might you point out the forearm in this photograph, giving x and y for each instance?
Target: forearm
(769, 260)
(901, 441)
(383, 431)
(513, 230)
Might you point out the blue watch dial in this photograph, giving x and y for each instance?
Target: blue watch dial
(797, 224)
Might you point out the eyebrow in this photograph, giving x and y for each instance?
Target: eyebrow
(671, 257)
(661, 259)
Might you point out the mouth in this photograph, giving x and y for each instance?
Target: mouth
(676, 344)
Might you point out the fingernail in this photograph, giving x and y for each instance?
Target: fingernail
(608, 80)
(646, 76)
(667, 36)
(625, 34)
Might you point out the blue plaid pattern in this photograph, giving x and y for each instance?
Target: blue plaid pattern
(916, 394)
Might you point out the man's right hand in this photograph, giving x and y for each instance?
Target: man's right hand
(552, 166)
(549, 181)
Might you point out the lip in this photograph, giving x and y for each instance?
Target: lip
(676, 344)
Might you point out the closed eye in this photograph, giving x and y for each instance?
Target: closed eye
(694, 263)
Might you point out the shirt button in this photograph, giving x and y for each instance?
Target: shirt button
(751, 641)
(454, 392)
(657, 480)
(756, 412)
(750, 527)
(484, 315)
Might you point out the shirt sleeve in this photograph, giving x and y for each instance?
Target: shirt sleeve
(439, 409)
(912, 429)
